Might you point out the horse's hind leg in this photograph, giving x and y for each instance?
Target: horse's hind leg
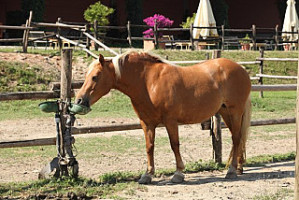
(173, 133)
(149, 133)
(233, 120)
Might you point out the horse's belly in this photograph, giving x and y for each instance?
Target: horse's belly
(196, 113)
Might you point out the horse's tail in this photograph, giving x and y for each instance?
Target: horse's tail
(246, 119)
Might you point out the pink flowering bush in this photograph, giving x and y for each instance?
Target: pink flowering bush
(161, 22)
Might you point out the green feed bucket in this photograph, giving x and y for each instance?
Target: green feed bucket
(49, 106)
(79, 109)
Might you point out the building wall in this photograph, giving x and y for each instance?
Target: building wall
(241, 15)
(68, 10)
(6, 6)
(262, 13)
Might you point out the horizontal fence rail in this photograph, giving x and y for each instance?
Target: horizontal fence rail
(289, 87)
(28, 95)
(122, 127)
(278, 59)
(17, 27)
(276, 76)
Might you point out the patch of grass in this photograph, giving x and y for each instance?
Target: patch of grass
(115, 105)
(63, 188)
(203, 166)
(28, 152)
(199, 166)
(117, 177)
(264, 159)
(280, 194)
(264, 132)
(273, 105)
(115, 144)
(26, 109)
(15, 76)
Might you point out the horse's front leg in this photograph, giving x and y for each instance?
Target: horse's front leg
(173, 133)
(149, 133)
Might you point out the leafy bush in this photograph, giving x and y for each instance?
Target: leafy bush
(98, 12)
(189, 21)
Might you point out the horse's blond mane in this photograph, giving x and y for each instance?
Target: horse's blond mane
(146, 56)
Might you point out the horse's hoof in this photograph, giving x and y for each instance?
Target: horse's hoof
(239, 171)
(178, 177)
(145, 179)
(231, 175)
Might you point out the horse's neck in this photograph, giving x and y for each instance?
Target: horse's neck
(131, 80)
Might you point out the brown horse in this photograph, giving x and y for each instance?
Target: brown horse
(168, 94)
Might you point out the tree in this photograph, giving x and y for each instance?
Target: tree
(98, 12)
(38, 8)
(189, 21)
(220, 11)
(134, 10)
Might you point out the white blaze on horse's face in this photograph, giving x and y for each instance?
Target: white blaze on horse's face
(98, 82)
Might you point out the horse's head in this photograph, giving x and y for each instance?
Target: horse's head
(99, 80)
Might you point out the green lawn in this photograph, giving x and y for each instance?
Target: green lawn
(273, 105)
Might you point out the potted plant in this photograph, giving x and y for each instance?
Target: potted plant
(287, 46)
(149, 34)
(245, 42)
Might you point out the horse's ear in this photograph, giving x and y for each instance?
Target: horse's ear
(101, 59)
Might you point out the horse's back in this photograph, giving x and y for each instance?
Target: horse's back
(200, 89)
(232, 78)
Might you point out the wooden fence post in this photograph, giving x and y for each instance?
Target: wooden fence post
(297, 139)
(66, 75)
(129, 38)
(65, 96)
(276, 38)
(261, 70)
(26, 33)
(87, 27)
(156, 35)
(215, 130)
(254, 36)
(95, 29)
(58, 34)
(223, 35)
(191, 37)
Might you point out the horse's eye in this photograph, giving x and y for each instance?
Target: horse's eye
(94, 78)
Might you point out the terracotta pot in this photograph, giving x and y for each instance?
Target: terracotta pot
(201, 47)
(287, 47)
(148, 45)
(245, 46)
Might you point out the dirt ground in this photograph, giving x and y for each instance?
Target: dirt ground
(266, 180)
(195, 145)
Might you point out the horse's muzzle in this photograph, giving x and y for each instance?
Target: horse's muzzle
(83, 101)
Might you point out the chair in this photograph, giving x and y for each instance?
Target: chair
(38, 37)
(168, 41)
(231, 41)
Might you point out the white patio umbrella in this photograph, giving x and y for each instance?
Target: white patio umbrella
(291, 22)
(204, 18)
